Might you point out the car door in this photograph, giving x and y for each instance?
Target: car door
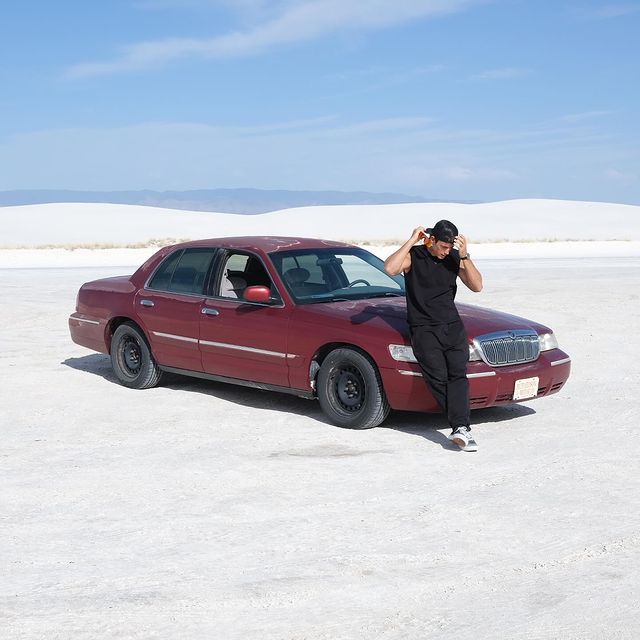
(169, 307)
(241, 339)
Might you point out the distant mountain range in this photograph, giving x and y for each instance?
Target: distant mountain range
(244, 201)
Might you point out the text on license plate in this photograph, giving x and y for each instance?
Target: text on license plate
(526, 388)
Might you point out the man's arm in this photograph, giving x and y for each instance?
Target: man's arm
(400, 261)
(468, 273)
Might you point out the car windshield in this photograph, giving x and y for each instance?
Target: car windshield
(333, 274)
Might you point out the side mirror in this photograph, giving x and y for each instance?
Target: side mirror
(257, 293)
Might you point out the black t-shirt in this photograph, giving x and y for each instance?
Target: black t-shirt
(431, 287)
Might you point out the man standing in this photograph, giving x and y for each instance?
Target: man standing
(438, 337)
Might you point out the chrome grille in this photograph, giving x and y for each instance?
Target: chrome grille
(508, 347)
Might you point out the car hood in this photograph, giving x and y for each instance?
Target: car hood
(480, 320)
(392, 313)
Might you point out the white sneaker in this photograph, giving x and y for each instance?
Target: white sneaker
(463, 438)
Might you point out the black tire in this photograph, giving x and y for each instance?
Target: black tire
(350, 390)
(131, 358)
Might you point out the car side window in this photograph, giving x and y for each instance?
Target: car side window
(187, 275)
(232, 283)
(240, 271)
(162, 276)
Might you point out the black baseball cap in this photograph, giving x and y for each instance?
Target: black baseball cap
(443, 230)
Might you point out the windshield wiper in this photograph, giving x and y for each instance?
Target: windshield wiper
(317, 301)
(386, 294)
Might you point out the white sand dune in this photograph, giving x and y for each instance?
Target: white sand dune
(129, 259)
(523, 229)
(512, 220)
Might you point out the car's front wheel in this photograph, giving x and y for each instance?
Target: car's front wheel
(131, 358)
(350, 390)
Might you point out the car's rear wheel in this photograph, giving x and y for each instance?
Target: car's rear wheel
(132, 360)
(350, 390)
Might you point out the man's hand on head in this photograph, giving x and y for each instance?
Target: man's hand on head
(461, 242)
(418, 234)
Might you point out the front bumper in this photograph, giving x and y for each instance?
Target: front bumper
(488, 386)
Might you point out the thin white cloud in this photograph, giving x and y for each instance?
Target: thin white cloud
(246, 11)
(471, 173)
(504, 73)
(297, 22)
(391, 75)
(313, 153)
(585, 115)
(616, 10)
(351, 75)
(623, 177)
(406, 154)
(419, 72)
(236, 5)
(364, 81)
(290, 125)
(383, 125)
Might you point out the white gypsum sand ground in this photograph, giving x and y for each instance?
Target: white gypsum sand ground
(201, 510)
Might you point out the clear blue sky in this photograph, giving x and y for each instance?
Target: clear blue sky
(454, 99)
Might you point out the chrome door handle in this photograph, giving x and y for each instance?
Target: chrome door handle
(208, 311)
(146, 303)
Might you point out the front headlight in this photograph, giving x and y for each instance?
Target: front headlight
(474, 352)
(547, 342)
(402, 353)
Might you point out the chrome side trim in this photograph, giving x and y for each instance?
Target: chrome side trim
(482, 374)
(563, 361)
(83, 320)
(238, 347)
(174, 337)
(224, 345)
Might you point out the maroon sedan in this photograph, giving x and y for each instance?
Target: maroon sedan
(312, 318)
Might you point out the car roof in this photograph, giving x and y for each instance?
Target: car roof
(268, 244)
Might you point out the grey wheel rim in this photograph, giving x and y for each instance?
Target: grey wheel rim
(130, 356)
(349, 388)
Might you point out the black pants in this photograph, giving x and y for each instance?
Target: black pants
(442, 352)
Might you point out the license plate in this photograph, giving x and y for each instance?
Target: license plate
(526, 388)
